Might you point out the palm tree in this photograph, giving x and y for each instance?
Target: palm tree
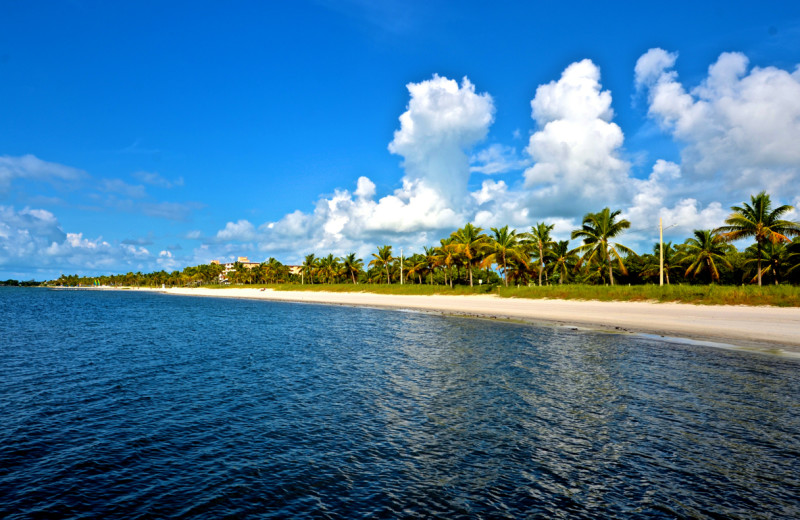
(417, 265)
(776, 257)
(309, 265)
(383, 259)
(670, 263)
(352, 266)
(431, 260)
(760, 221)
(328, 268)
(794, 254)
(447, 255)
(703, 252)
(597, 231)
(504, 246)
(563, 259)
(539, 238)
(471, 244)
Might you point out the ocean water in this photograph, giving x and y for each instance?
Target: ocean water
(138, 405)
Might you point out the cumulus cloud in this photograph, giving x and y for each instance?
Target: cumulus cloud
(577, 147)
(34, 237)
(575, 162)
(441, 124)
(443, 121)
(740, 126)
(31, 167)
(656, 197)
(241, 230)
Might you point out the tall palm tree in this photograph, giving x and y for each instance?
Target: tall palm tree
(352, 266)
(328, 268)
(760, 221)
(430, 262)
(383, 260)
(597, 231)
(417, 265)
(309, 265)
(539, 238)
(447, 255)
(471, 244)
(563, 260)
(503, 247)
(703, 252)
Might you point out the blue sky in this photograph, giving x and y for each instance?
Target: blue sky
(136, 136)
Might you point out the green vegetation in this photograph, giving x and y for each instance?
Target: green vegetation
(705, 268)
(17, 283)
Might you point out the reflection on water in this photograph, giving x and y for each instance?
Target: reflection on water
(128, 405)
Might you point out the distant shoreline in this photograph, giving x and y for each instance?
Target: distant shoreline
(774, 330)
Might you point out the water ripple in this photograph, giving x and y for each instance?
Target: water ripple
(127, 405)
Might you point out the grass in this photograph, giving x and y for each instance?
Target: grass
(779, 296)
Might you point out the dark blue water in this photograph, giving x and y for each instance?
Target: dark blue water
(131, 405)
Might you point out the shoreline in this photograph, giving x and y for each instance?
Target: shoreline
(773, 330)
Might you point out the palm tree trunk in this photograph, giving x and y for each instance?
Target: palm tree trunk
(758, 247)
(541, 264)
(505, 270)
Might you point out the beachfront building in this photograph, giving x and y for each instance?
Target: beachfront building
(230, 267)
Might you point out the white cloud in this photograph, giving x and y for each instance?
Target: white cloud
(441, 124)
(123, 188)
(578, 166)
(241, 230)
(741, 129)
(34, 239)
(497, 158)
(656, 197)
(577, 148)
(31, 167)
(365, 188)
(168, 262)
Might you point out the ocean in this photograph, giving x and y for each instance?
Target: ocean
(126, 404)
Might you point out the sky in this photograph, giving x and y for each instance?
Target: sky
(140, 136)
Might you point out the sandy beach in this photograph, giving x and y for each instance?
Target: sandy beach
(768, 329)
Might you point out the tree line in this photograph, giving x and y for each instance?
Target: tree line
(511, 257)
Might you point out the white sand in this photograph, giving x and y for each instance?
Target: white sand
(772, 329)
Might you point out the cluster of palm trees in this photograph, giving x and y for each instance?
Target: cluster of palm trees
(509, 256)
(535, 257)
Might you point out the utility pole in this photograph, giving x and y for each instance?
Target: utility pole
(401, 266)
(661, 252)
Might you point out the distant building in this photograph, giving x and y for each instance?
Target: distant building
(247, 263)
(230, 266)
